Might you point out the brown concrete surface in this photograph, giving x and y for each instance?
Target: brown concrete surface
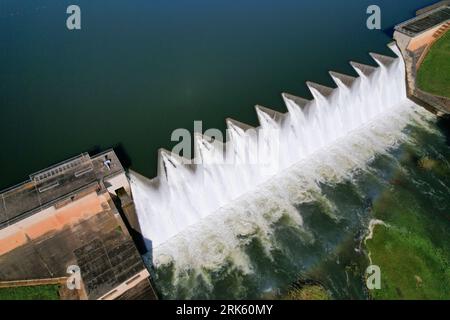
(66, 215)
(415, 46)
(51, 220)
(87, 233)
(143, 291)
(48, 186)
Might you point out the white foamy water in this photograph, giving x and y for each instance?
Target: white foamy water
(204, 212)
(222, 236)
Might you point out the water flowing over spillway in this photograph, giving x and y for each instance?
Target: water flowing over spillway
(201, 218)
(183, 194)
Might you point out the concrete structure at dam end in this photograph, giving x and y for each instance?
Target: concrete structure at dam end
(76, 213)
(415, 38)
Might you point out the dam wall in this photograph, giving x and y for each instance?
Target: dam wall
(186, 191)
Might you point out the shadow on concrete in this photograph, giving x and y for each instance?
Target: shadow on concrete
(135, 234)
(444, 124)
(140, 242)
(149, 247)
(123, 156)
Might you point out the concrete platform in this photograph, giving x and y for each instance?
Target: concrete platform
(67, 215)
(426, 19)
(415, 38)
(65, 179)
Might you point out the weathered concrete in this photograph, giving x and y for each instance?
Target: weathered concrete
(276, 116)
(66, 215)
(94, 238)
(301, 102)
(363, 70)
(34, 282)
(426, 19)
(345, 79)
(414, 38)
(65, 180)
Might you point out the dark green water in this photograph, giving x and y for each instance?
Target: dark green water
(139, 69)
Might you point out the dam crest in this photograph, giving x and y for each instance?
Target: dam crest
(186, 191)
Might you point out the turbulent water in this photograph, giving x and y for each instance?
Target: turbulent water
(249, 227)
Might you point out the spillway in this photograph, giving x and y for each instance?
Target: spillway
(186, 193)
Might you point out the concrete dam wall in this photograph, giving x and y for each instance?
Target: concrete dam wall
(186, 191)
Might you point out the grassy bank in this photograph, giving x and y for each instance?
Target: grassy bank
(434, 73)
(411, 266)
(47, 292)
(412, 251)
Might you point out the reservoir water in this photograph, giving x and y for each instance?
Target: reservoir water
(139, 69)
